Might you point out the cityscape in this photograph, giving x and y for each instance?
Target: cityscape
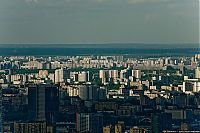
(99, 66)
(99, 94)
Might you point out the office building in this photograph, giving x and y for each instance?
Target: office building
(33, 127)
(161, 122)
(89, 122)
(43, 102)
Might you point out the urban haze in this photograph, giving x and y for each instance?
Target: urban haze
(99, 66)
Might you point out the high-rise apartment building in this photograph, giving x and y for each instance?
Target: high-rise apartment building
(61, 75)
(137, 74)
(91, 92)
(197, 73)
(83, 76)
(88, 92)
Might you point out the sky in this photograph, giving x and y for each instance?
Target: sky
(99, 21)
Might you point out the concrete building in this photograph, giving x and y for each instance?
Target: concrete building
(83, 76)
(119, 127)
(197, 73)
(42, 102)
(89, 122)
(137, 73)
(108, 129)
(193, 86)
(43, 73)
(34, 127)
(61, 75)
(88, 92)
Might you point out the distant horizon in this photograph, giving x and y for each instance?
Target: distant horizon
(101, 45)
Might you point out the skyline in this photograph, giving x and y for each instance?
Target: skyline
(99, 94)
(105, 45)
(99, 21)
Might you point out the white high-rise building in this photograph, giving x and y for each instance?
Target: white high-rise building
(196, 87)
(61, 75)
(113, 74)
(110, 73)
(197, 73)
(137, 73)
(83, 76)
(183, 87)
(34, 65)
(123, 74)
(73, 91)
(102, 74)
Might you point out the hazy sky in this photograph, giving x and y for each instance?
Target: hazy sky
(99, 21)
